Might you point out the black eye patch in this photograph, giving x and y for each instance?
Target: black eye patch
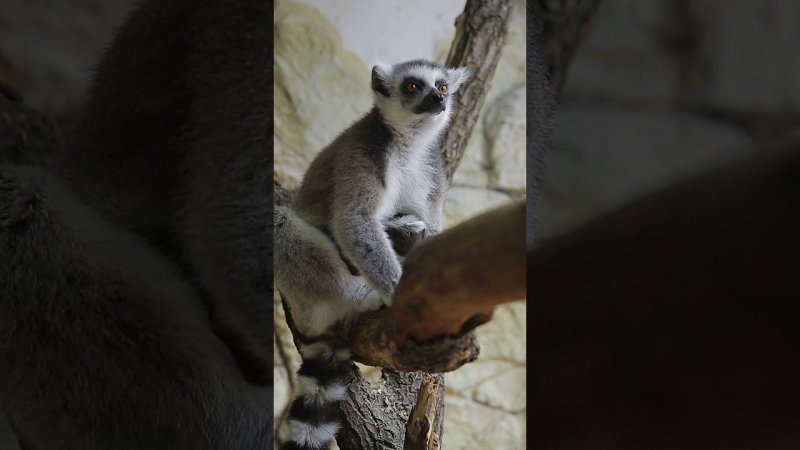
(419, 85)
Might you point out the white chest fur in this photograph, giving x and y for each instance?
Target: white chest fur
(408, 179)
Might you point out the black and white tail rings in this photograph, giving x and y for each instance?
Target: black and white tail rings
(314, 416)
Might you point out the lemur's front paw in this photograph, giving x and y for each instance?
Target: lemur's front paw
(405, 232)
(408, 224)
(371, 303)
(415, 226)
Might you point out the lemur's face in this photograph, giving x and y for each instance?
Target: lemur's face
(417, 89)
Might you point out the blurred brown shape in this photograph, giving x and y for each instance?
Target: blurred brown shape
(672, 322)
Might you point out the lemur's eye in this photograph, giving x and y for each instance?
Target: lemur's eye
(411, 87)
(443, 88)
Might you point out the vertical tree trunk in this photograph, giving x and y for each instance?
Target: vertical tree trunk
(480, 34)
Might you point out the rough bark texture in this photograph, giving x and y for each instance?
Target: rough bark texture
(424, 427)
(375, 413)
(372, 345)
(480, 33)
(672, 322)
(565, 23)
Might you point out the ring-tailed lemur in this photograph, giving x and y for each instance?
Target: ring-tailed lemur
(381, 177)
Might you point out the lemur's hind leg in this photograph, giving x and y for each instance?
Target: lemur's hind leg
(314, 279)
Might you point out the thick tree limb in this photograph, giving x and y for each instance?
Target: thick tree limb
(451, 283)
(372, 345)
(672, 322)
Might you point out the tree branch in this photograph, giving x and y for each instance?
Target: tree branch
(461, 274)
(451, 284)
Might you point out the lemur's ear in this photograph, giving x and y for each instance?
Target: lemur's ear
(457, 76)
(380, 75)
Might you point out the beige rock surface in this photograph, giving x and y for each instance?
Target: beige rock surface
(485, 400)
(504, 135)
(465, 202)
(320, 88)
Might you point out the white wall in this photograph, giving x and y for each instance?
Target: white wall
(392, 31)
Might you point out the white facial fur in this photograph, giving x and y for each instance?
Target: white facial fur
(407, 184)
(398, 109)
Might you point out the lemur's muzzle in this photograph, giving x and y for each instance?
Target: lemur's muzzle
(432, 103)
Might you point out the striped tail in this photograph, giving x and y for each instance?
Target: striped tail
(314, 416)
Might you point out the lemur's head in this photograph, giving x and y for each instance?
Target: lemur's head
(416, 91)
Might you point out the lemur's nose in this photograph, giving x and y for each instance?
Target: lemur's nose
(437, 97)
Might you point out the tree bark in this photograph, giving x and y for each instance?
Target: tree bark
(451, 284)
(424, 427)
(481, 263)
(375, 413)
(480, 34)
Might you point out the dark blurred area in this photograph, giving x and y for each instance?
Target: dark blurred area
(47, 50)
(664, 295)
(660, 90)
